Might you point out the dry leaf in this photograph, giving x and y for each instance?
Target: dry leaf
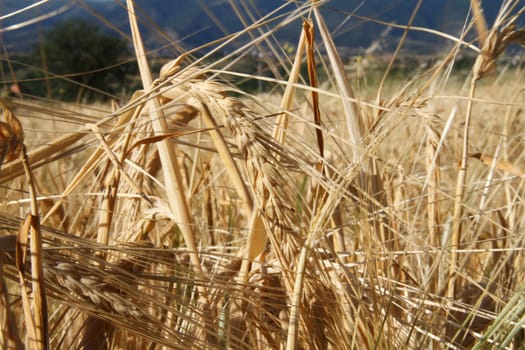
(22, 243)
(11, 135)
(500, 164)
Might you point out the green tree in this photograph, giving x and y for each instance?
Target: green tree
(88, 59)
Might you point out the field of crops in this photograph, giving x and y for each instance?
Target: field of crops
(331, 212)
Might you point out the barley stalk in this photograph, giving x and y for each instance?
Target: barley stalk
(172, 176)
(433, 200)
(281, 125)
(39, 304)
(312, 74)
(501, 35)
(350, 105)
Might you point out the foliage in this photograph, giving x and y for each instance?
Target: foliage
(83, 60)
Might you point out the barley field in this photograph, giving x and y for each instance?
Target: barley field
(330, 212)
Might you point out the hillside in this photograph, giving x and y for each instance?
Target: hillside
(193, 23)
